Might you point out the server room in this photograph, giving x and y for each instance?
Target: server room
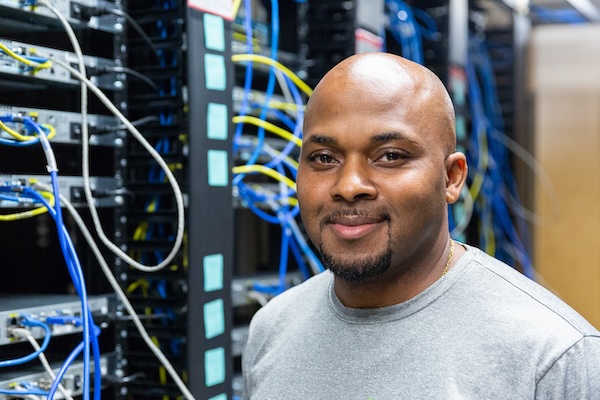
(299, 199)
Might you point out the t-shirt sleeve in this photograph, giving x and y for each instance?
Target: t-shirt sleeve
(575, 374)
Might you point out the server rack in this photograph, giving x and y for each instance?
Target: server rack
(183, 100)
(159, 104)
(36, 284)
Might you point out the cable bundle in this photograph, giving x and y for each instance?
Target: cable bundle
(409, 26)
(503, 232)
(68, 251)
(48, 199)
(275, 206)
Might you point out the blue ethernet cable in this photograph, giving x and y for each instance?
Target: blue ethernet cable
(405, 30)
(270, 86)
(297, 253)
(74, 268)
(69, 360)
(561, 15)
(26, 392)
(495, 218)
(73, 263)
(30, 125)
(248, 76)
(25, 320)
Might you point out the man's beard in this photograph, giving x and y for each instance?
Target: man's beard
(361, 270)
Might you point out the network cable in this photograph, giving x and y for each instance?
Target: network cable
(501, 234)
(66, 245)
(74, 268)
(114, 283)
(33, 131)
(87, 84)
(403, 28)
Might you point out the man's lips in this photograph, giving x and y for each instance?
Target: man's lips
(355, 227)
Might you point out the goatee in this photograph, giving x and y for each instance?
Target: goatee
(359, 270)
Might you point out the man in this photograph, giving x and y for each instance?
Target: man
(404, 312)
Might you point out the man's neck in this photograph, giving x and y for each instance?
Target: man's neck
(390, 290)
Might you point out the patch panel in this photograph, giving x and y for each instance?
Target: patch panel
(244, 289)
(68, 125)
(99, 69)
(42, 307)
(104, 188)
(72, 380)
(78, 13)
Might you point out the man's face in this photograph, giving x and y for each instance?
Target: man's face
(371, 180)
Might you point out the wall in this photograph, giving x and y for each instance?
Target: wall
(565, 80)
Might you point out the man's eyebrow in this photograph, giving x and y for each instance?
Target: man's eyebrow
(322, 139)
(390, 136)
(379, 138)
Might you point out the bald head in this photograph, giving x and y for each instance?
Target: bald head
(384, 79)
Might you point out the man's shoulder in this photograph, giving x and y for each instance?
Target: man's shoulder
(528, 297)
(299, 297)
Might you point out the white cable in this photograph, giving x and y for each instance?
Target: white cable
(28, 396)
(122, 296)
(26, 333)
(286, 90)
(139, 137)
(540, 174)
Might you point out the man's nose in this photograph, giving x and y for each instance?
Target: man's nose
(353, 181)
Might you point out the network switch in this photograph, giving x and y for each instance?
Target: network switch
(39, 379)
(40, 308)
(105, 188)
(68, 125)
(79, 13)
(100, 70)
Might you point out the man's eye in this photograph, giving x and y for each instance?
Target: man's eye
(392, 156)
(322, 158)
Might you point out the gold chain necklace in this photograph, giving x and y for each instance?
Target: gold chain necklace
(449, 257)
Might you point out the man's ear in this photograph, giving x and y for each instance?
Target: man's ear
(456, 176)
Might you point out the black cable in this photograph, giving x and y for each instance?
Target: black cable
(135, 26)
(135, 123)
(130, 72)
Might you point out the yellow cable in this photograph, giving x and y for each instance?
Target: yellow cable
(185, 259)
(242, 38)
(51, 130)
(140, 231)
(281, 105)
(292, 201)
(29, 213)
(268, 126)
(236, 7)
(14, 133)
(151, 206)
(477, 183)
(488, 232)
(261, 169)
(36, 66)
(269, 61)
(24, 138)
(143, 283)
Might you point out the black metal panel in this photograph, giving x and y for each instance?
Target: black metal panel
(210, 214)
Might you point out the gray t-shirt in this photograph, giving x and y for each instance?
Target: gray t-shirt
(483, 331)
